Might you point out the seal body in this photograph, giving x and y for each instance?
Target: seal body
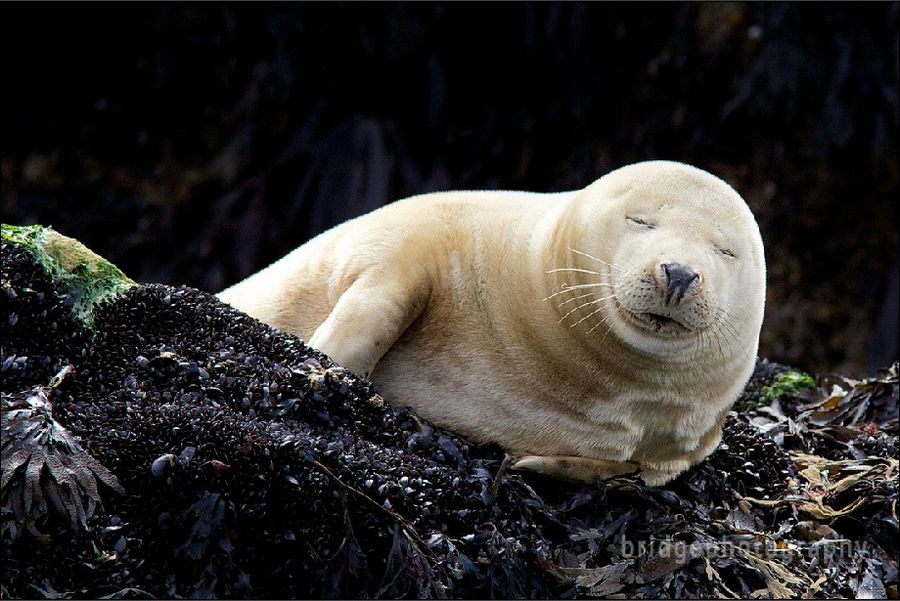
(591, 333)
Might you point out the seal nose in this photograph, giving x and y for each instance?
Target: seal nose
(679, 279)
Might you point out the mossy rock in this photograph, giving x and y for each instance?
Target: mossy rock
(771, 381)
(788, 384)
(90, 278)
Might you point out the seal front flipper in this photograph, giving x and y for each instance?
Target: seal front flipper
(657, 473)
(570, 467)
(369, 317)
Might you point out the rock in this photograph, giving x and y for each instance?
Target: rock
(220, 457)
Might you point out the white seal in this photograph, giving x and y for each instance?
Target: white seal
(590, 333)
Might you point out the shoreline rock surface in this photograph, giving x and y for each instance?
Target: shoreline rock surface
(213, 456)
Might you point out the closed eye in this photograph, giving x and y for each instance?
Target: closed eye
(639, 221)
(725, 252)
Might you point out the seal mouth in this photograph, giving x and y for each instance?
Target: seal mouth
(658, 320)
(655, 322)
(660, 323)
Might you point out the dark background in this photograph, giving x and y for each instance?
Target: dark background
(196, 143)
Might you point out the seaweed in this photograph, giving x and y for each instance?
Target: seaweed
(42, 461)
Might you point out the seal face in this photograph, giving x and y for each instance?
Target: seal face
(591, 333)
(686, 262)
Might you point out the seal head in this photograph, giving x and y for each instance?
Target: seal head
(680, 256)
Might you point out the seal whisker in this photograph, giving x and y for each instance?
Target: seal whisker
(700, 344)
(726, 332)
(575, 298)
(725, 320)
(707, 338)
(710, 339)
(717, 334)
(733, 342)
(729, 330)
(569, 288)
(585, 304)
(609, 326)
(595, 258)
(573, 269)
(600, 323)
(732, 333)
(588, 315)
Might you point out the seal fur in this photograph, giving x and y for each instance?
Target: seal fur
(591, 333)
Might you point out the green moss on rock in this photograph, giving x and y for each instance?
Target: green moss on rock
(90, 278)
(772, 381)
(788, 384)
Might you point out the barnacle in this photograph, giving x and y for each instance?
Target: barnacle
(43, 462)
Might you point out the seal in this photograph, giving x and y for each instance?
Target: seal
(591, 333)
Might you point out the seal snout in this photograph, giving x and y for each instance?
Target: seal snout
(678, 280)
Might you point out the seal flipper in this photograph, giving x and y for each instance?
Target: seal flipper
(369, 317)
(579, 469)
